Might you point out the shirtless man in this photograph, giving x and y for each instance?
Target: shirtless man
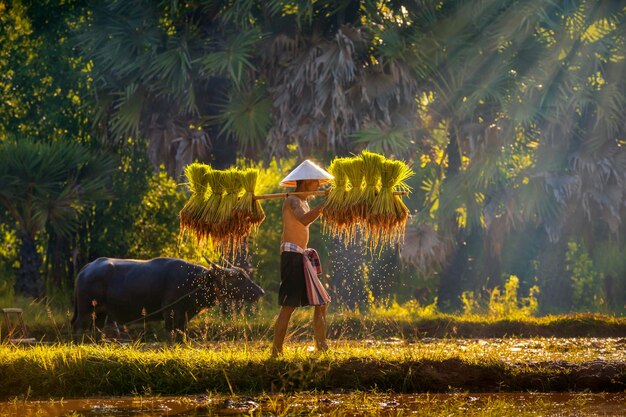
(297, 216)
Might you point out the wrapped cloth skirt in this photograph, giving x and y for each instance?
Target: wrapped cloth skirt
(292, 291)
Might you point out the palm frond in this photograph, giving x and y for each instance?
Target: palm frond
(232, 57)
(51, 183)
(172, 67)
(128, 108)
(384, 140)
(247, 115)
(424, 248)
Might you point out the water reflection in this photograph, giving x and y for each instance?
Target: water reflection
(348, 405)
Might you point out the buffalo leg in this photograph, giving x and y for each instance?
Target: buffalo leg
(175, 324)
(85, 314)
(84, 321)
(80, 326)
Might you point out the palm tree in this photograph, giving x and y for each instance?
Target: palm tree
(551, 78)
(197, 78)
(47, 184)
(577, 95)
(465, 78)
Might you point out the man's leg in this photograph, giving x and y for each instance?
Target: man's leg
(280, 329)
(319, 327)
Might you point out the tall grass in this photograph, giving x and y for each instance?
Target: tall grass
(439, 365)
(400, 347)
(51, 315)
(50, 322)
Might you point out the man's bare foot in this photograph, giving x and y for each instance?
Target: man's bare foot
(275, 353)
(321, 347)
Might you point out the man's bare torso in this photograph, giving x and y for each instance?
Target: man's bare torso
(293, 230)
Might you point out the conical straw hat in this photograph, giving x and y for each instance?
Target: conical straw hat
(306, 171)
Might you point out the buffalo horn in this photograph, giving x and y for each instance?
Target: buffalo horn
(229, 263)
(211, 263)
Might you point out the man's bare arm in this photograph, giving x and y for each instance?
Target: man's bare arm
(304, 217)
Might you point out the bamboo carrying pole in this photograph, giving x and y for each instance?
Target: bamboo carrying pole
(314, 193)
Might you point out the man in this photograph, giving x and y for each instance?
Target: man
(299, 285)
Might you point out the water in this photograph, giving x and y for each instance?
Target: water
(352, 404)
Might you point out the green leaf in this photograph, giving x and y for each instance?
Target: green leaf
(232, 58)
(247, 115)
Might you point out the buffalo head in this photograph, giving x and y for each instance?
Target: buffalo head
(234, 283)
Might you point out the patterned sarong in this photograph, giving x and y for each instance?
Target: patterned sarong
(315, 291)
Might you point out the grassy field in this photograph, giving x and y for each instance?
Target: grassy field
(406, 348)
(51, 323)
(356, 326)
(436, 365)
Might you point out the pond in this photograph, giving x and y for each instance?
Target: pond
(336, 404)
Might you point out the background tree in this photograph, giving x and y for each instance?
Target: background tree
(510, 112)
(190, 77)
(42, 77)
(545, 61)
(47, 185)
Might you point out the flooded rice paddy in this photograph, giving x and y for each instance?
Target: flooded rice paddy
(336, 404)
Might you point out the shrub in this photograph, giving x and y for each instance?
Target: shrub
(509, 305)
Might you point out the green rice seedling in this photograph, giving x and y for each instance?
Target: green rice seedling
(191, 215)
(388, 214)
(402, 211)
(225, 233)
(372, 165)
(353, 168)
(334, 212)
(248, 211)
(211, 206)
(355, 192)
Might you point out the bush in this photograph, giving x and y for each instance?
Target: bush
(503, 305)
(587, 292)
(508, 305)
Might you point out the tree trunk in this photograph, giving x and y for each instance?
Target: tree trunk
(58, 260)
(554, 280)
(83, 251)
(491, 264)
(450, 277)
(28, 281)
(615, 292)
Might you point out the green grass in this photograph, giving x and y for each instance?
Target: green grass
(238, 367)
(51, 323)
(402, 348)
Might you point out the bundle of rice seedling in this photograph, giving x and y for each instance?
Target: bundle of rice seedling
(365, 197)
(353, 168)
(211, 205)
(191, 214)
(224, 233)
(372, 164)
(388, 214)
(248, 211)
(335, 213)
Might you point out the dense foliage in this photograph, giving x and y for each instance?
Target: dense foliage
(511, 114)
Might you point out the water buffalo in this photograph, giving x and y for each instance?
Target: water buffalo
(126, 291)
